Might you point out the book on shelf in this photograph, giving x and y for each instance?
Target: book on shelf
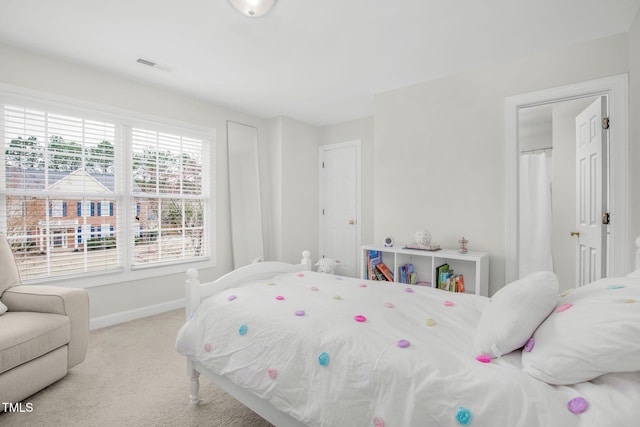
(373, 258)
(382, 267)
(441, 272)
(422, 247)
(447, 280)
(407, 274)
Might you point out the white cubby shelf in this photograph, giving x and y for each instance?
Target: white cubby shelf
(473, 265)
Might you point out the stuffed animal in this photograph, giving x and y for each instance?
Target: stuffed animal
(326, 265)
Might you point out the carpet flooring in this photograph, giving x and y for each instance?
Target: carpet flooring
(132, 376)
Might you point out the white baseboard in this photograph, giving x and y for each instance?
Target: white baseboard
(138, 313)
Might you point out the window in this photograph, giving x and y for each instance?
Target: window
(167, 184)
(72, 207)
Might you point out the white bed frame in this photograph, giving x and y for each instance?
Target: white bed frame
(196, 292)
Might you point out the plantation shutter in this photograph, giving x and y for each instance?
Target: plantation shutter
(52, 160)
(170, 186)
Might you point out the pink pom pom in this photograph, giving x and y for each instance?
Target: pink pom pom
(563, 307)
(273, 373)
(378, 422)
(448, 303)
(207, 347)
(300, 275)
(279, 297)
(483, 359)
(360, 318)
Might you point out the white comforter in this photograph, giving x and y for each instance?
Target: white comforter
(369, 378)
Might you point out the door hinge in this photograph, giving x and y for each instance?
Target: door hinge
(605, 123)
(605, 218)
(322, 211)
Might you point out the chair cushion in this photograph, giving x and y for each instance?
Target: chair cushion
(10, 275)
(25, 336)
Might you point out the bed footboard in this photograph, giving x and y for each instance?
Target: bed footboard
(196, 292)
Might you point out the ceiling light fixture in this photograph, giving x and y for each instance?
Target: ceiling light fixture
(253, 8)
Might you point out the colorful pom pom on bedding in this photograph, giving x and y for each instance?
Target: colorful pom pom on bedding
(243, 330)
(207, 347)
(483, 359)
(273, 373)
(448, 303)
(299, 313)
(463, 416)
(323, 359)
(611, 287)
(577, 405)
(231, 297)
(360, 318)
(378, 422)
(280, 298)
(314, 289)
(300, 275)
(563, 307)
(530, 344)
(363, 285)
(337, 297)
(403, 343)
(388, 305)
(431, 322)
(408, 290)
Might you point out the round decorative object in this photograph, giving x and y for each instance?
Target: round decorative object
(403, 343)
(577, 405)
(388, 242)
(423, 237)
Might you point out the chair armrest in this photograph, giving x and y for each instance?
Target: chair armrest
(71, 302)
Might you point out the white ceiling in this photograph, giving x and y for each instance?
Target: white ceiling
(318, 61)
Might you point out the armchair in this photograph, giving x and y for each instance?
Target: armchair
(43, 333)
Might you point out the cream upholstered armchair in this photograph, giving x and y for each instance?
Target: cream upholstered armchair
(43, 331)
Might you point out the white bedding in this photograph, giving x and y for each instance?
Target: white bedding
(369, 379)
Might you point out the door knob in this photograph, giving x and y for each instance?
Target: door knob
(575, 234)
(351, 222)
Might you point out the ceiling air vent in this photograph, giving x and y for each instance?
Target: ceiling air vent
(152, 64)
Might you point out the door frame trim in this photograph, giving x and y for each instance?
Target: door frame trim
(321, 150)
(616, 88)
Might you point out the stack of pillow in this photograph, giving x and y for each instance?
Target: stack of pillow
(575, 337)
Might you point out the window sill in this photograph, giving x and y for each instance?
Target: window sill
(112, 277)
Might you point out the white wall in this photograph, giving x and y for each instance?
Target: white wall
(129, 299)
(439, 146)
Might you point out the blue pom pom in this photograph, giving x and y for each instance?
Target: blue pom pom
(323, 359)
(243, 329)
(463, 416)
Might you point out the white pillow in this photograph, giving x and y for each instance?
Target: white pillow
(514, 313)
(597, 334)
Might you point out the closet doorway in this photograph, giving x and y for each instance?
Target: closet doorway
(616, 90)
(340, 191)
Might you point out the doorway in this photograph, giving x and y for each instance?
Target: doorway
(549, 190)
(340, 191)
(616, 90)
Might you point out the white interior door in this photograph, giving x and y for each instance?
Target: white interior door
(340, 205)
(591, 203)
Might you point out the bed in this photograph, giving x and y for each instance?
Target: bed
(305, 348)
